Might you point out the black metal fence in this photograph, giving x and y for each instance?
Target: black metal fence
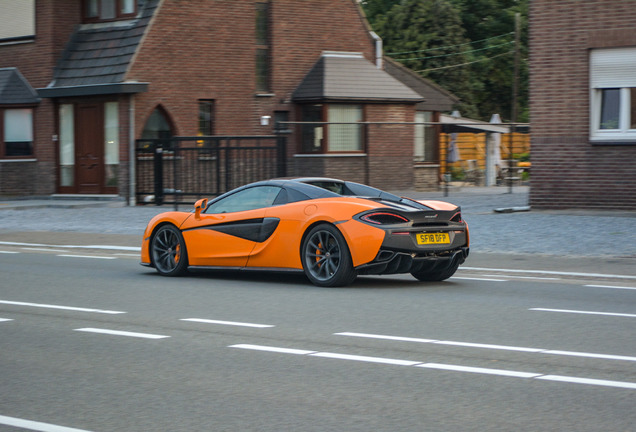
(180, 170)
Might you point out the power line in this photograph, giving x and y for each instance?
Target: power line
(457, 53)
(465, 64)
(451, 46)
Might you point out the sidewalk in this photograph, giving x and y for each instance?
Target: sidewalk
(562, 233)
(489, 198)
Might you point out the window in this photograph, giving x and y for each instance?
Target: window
(279, 118)
(262, 47)
(613, 95)
(344, 137)
(67, 145)
(111, 143)
(109, 10)
(311, 135)
(17, 132)
(246, 199)
(17, 21)
(341, 132)
(206, 117)
(424, 146)
(157, 126)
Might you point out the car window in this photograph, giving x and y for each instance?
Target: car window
(329, 185)
(245, 199)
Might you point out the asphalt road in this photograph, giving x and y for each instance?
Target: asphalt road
(93, 341)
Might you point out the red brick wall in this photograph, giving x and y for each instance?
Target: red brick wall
(390, 147)
(567, 170)
(35, 60)
(203, 49)
(213, 58)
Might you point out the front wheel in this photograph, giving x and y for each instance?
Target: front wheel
(326, 258)
(168, 251)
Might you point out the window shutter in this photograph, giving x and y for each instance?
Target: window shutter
(613, 68)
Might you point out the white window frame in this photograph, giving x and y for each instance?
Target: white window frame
(344, 137)
(612, 68)
(17, 21)
(422, 136)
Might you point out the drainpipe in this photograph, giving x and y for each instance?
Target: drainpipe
(378, 49)
(131, 152)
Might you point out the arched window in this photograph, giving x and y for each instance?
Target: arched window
(158, 125)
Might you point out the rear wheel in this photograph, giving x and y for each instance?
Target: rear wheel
(168, 251)
(439, 275)
(326, 257)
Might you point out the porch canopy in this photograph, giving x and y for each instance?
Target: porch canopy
(15, 89)
(347, 76)
(454, 123)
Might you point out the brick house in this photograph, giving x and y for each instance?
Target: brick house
(81, 80)
(583, 104)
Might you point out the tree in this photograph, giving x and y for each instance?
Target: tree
(424, 35)
(466, 46)
(374, 8)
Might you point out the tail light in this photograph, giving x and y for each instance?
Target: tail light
(383, 218)
(457, 217)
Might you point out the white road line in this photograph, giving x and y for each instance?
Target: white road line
(490, 346)
(272, 349)
(611, 287)
(121, 333)
(5, 319)
(584, 312)
(479, 279)
(9, 252)
(487, 371)
(87, 256)
(549, 272)
(365, 359)
(589, 381)
(36, 426)
(105, 247)
(43, 249)
(228, 323)
(526, 277)
(376, 336)
(441, 366)
(590, 355)
(70, 308)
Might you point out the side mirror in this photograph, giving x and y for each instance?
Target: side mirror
(200, 205)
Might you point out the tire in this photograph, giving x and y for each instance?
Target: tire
(326, 258)
(168, 251)
(439, 275)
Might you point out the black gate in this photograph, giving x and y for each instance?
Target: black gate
(180, 170)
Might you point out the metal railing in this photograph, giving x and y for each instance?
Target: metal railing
(180, 170)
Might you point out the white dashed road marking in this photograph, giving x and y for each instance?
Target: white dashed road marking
(69, 308)
(441, 366)
(36, 426)
(87, 256)
(489, 346)
(612, 314)
(122, 333)
(228, 323)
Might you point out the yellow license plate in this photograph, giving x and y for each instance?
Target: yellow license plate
(433, 238)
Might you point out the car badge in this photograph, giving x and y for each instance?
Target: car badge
(431, 217)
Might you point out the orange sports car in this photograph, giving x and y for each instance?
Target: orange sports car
(333, 230)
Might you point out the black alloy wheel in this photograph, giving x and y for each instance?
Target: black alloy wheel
(168, 251)
(326, 258)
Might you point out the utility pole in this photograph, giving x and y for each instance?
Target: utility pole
(515, 92)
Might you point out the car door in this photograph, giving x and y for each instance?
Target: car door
(227, 231)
